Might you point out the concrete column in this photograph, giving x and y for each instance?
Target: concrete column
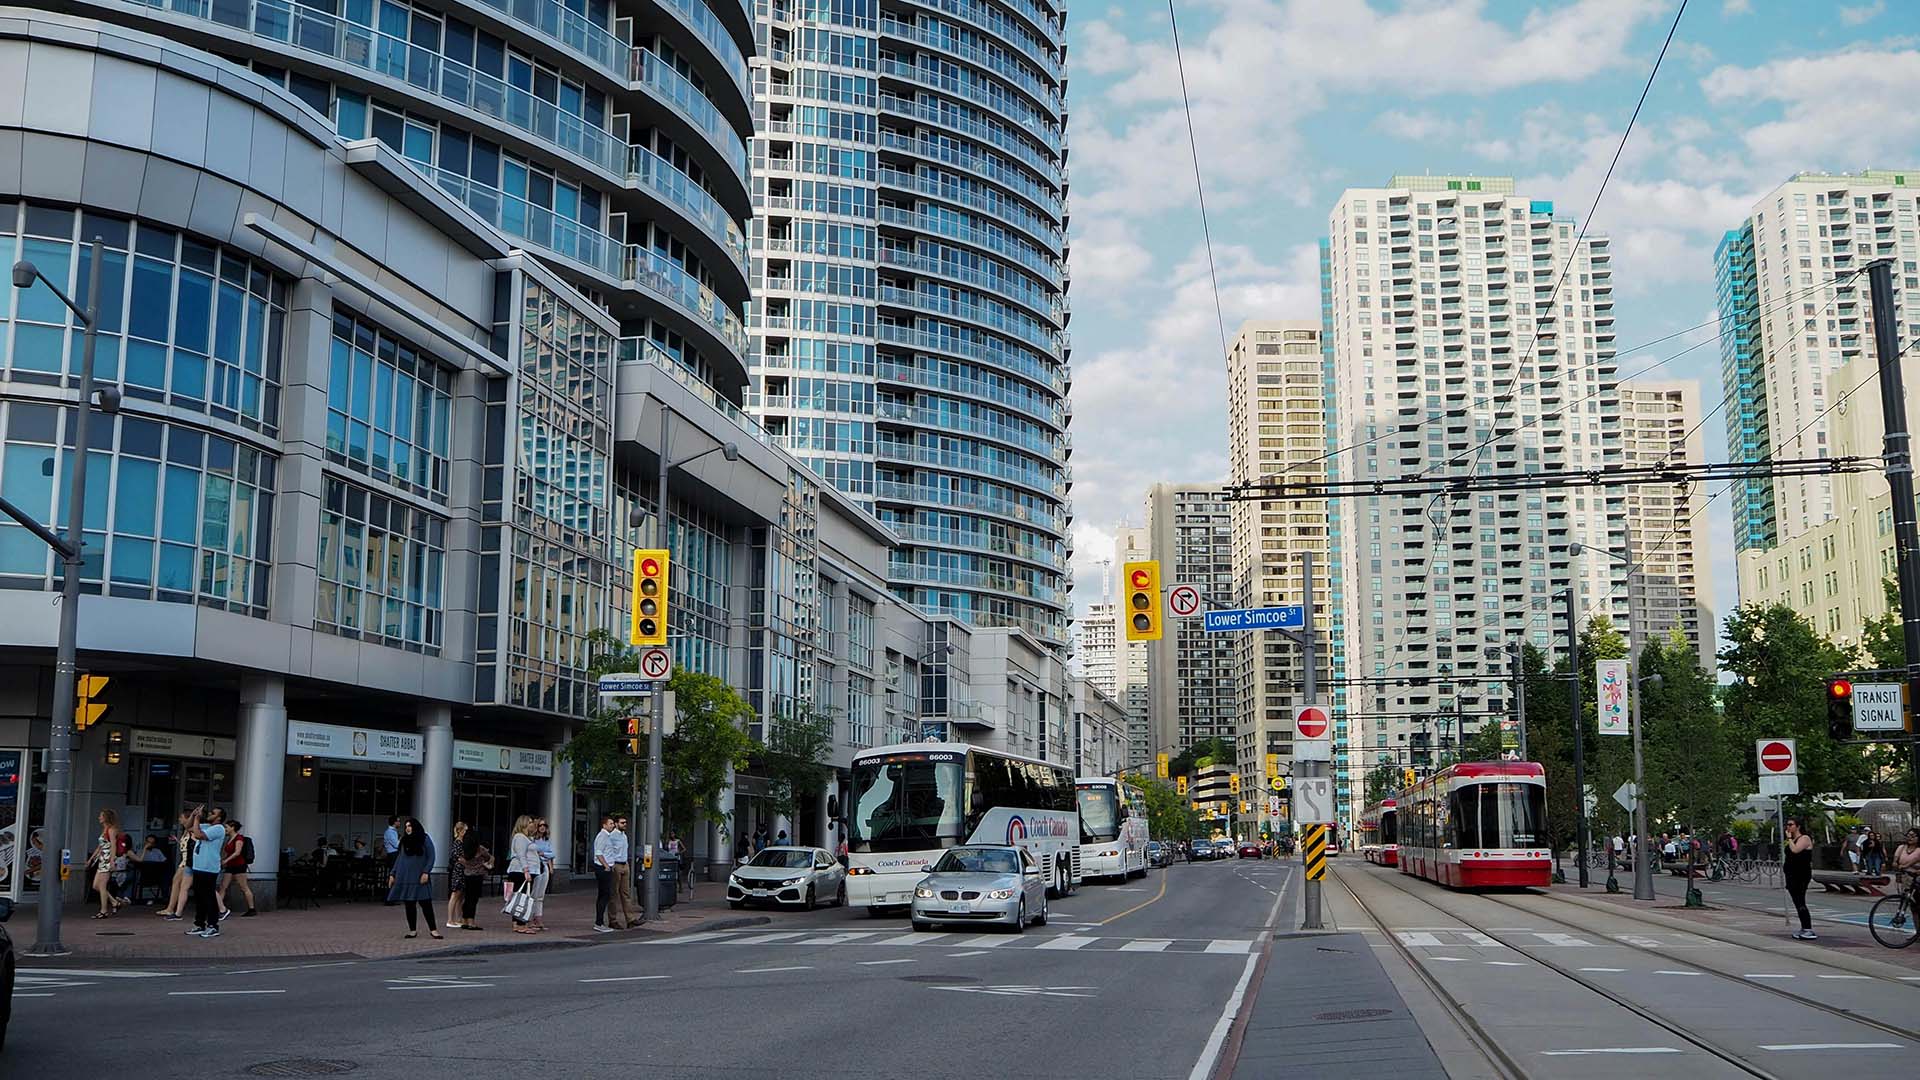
(433, 783)
(721, 831)
(261, 778)
(559, 811)
(825, 838)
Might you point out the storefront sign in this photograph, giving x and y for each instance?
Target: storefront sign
(517, 760)
(354, 744)
(180, 744)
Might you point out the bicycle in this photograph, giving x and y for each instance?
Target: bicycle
(1899, 924)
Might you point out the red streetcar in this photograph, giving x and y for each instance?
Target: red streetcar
(1379, 834)
(1476, 825)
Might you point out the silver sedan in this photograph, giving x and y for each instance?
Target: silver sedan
(805, 876)
(980, 883)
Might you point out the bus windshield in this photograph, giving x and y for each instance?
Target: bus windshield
(1099, 814)
(907, 805)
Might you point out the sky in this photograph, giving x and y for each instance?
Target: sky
(1295, 100)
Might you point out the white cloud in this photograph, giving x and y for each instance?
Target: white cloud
(1418, 126)
(1831, 107)
(1736, 7)
(1854, 16)
(1092, 557)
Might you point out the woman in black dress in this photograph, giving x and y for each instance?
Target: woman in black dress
(1797, 868)
(408, 881)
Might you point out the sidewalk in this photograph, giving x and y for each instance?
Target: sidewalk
(338, 929)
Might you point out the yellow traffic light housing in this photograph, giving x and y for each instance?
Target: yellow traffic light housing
(1273, 766)
(649, 626)
(86, 710)
(1143, 612)
(1160, 764)
(634, 740)
(1409, 776)
(1233, 783)
(1180, 785)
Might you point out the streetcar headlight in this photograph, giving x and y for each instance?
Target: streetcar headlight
(1001, 894)
(922, 892)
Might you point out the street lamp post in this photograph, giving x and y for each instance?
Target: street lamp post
(70, 549)
(1642, 866)
(650, 873)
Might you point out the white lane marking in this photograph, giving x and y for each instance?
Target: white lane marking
(292, 967)
(18, 994)
(1612, 1050)
(1766, 976)
(442, 986)
(1844, 976)
(627, 978)
(1511, 929)
(1416, 939)
(1147, 945)
(1909, 978)
(970, 952)
(96, 973)
(690, 939)
(1449, 959)
(1640, 941)
(1563, 940)
(1210, 1054)
(1067, 941)
(1677, 973)
(916, 938)
(877, 963)
(764, 971)
(1228, 945)
(1504, 963)
(1481, 940)
(219, 993)
(980, 941)
(840, 939)
(1611, 971)
(1832, 1046)
(762, 939)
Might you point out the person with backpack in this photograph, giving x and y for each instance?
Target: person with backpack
(236, 854)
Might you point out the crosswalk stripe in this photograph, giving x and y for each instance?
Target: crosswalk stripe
(1223, 945)
(1482, 940)
(761, 939)
(981, 941)
(1418, 940)
(95, 973)
(692, 939)
(1567, 940)
(1147, 945)
(1067, 941)
(838, 939)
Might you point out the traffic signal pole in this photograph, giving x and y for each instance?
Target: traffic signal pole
(650, 854)
(1897, 452)
(1579, 744)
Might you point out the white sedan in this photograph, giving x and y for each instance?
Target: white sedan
(803, 876)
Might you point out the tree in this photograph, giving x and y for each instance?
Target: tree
(798, 739)
(1382, 782)
(1549, 735)
(1694, 771)
(1780, 665)
(1169, 815)
(1215, 751)
(1884, 647)
(710, 735)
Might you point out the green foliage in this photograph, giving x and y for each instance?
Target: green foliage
(1484, 743)
(1169, 815)
(797, 742)
(1382, 782)
(1215, 751)
(1694, 770)
(1745, 830)
(1780, 666)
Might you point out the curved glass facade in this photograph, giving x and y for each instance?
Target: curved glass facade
(910, 308)
(610, 136)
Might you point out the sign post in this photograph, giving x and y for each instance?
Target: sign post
(1779, 761)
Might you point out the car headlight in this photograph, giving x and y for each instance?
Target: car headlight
(793, 881)
(1110, 853)
(923, 892)
(1001, 894)
(734, 880)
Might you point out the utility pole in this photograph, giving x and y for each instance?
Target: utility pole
(1642, 868)
(1309, 641)
(650, 854)
(1520, 696)
(72, 557)
(1898, 454)
(1579, 741)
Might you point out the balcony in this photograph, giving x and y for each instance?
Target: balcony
(658, 176)
(993, 21)
(1003, 67)
(1025, 330)
(983, 164)
(1046, 375)
(678, 92)
(1022, 292)
(1011, 510)
(916, 574)
(1050, 556)
(1003, 211)
(635, 350)
(1002, 138)
(1031, 441)
(1039, 408)
(998, 243)
(1044, 481)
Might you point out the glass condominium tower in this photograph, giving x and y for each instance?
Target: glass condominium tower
(908, 331)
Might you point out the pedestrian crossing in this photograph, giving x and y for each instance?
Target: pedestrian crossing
(1450, 938)
(1038, 942)
(57, 978)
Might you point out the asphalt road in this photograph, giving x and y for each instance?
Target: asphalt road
(1127, 980)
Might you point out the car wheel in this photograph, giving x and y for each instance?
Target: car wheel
(1020, 918)
(1041, 919)
(736, 904)
(808, 904)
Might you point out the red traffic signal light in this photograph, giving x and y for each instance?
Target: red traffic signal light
(1840, 708)
(1840, 688)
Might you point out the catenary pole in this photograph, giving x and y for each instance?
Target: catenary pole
(1898, 455)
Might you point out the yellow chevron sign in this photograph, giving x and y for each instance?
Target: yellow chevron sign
(1313, 852)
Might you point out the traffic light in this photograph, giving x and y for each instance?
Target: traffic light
(1143, 600)
(1233, 783)
(649, 597)
(1408, 777)
(635, 744)
(1180, 785)
(1160, 765)
(1273, 766)
(86, 710)
(1840, 707)
(1244, 808)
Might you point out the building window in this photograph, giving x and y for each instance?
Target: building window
(389, 408)
(381, 564)
(860, 710)
(860, 632)
(175, 514)
(183, 321)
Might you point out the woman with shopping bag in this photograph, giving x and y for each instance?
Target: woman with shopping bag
(522, 868)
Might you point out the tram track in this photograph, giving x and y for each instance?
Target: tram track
(1477, 1032)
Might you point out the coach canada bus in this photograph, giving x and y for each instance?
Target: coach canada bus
(1113, 828)
(911, 801)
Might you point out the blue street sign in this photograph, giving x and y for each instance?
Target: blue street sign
(1284, 617)
(626, 684)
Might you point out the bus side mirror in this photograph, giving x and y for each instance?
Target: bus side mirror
(833, 807)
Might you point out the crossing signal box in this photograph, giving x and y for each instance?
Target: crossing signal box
(1180, 785)
(1143, 600)
(86, 710)
(635, 744)
(1840, 708)
(1160, 765)
(649, 597)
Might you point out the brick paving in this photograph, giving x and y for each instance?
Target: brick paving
(360, 929)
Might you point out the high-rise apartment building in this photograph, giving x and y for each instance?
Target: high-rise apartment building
(1666, 524)
(1099, 632)
(909, 334)
(1794, 309)
(1191, 671)
(1277, 429)
(1472, 335)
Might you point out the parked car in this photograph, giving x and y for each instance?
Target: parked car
(6, 971)
(996, 883)
(1159, 854)
(803, 876)
(1250, 850)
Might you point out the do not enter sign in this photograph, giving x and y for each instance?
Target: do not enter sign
(1311, 722)
(1777, 757)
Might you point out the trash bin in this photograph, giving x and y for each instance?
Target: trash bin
(669, 881)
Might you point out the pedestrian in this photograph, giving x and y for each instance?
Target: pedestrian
(176, 908)
(523, 866)
(456, 877)
(1906, 860)
(603, 850)
(622, 875)
(781, 840)
(102, 862)
(390, 840)
(1852, 848)
(410, 880)
(153, 867)
(475, 863)
(1872, 852)
(543, 847)
(235, 856)
(759, 839)
(209, 835)
(1797, 868)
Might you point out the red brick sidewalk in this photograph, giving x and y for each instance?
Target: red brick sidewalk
(363, 929)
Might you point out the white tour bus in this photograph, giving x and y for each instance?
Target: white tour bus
(1113, 828)
(911, 801)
